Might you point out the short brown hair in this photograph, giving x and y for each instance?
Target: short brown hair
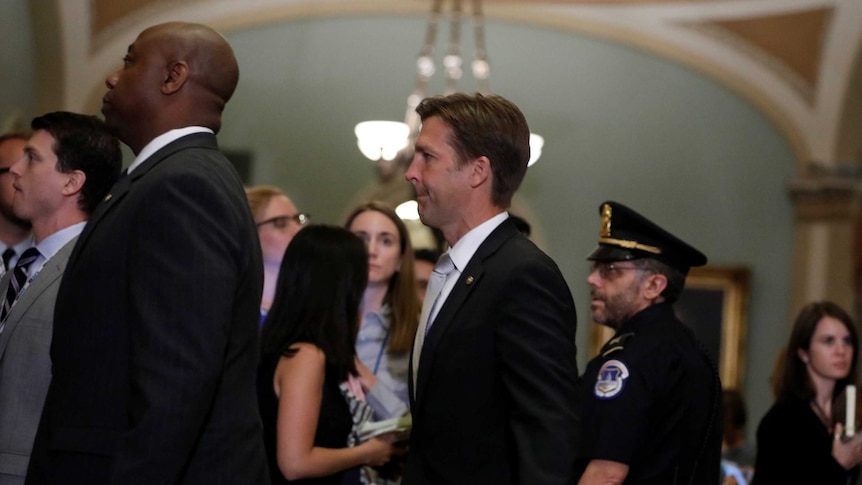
(489, 126)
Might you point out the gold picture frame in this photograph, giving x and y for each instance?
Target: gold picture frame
(715, 304)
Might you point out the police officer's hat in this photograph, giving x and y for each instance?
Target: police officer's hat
(627, 235)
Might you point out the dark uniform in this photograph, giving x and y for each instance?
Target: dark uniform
(651, 398)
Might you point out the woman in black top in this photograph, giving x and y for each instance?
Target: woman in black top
(310, 398)
(800, 440)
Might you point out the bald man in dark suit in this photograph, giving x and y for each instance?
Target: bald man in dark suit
(155, 332)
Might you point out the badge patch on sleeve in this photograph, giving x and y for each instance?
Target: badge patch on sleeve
(612, 376)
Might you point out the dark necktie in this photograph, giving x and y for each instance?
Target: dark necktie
(8, 254)
(17, 282)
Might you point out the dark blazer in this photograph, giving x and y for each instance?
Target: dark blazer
(25, 366)
(496, 394)
(793, 446)
(155, 333)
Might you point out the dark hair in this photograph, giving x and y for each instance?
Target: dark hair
(489, 126)
(401, 294)
(425, 254)
(675, 278)
(795, 380)
(81, 142)
(320, 285)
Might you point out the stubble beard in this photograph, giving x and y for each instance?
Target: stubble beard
(615, 311)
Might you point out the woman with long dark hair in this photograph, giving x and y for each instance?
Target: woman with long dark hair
(310, 397)
(801, 438)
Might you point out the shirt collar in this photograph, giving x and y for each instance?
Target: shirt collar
(49, 246)
(381, 317)
(466, 247)
(162, 140)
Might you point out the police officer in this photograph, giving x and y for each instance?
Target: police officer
(651, 397)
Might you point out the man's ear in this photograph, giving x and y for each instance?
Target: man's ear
(176, 76)
(480, 171)
(653, 285)
(75, 182)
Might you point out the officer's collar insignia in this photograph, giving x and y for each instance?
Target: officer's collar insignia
(612, 376)
(616, 343)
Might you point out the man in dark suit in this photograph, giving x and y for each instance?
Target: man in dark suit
(155, 330)
(70, 164)
(493, 383)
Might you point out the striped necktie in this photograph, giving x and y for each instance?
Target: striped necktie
(17, 282)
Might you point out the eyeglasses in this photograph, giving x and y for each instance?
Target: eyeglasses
(4, 170)
(280, 222)
(609, 271)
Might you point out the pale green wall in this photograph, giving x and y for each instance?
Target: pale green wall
(16, 65)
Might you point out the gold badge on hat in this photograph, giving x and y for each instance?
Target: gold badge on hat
(605, 230)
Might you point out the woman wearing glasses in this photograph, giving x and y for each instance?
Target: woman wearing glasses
(277, 222)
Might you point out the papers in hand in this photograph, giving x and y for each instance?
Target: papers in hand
(400, 426)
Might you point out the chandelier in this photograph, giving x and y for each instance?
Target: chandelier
(383, 141)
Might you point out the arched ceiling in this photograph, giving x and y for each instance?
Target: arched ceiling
(793, 59)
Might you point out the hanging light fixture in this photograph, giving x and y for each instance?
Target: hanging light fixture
(381, 141)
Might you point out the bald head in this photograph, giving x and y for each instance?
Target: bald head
(212, 64)
(175, 75)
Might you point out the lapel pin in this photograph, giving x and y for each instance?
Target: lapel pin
(470, 280)
(108, 197)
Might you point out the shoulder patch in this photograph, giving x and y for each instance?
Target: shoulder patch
(611, 380)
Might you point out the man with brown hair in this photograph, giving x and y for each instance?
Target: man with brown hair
(70, 163)
(494, 375)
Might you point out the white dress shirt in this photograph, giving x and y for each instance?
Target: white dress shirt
(162, 140)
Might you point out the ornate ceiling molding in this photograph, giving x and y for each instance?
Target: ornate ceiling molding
(793, 59)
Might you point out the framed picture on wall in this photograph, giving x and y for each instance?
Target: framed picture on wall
(715, 305)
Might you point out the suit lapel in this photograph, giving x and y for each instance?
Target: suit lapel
(467, 282)
(49, 273)
(124, 183)
(4, 337)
